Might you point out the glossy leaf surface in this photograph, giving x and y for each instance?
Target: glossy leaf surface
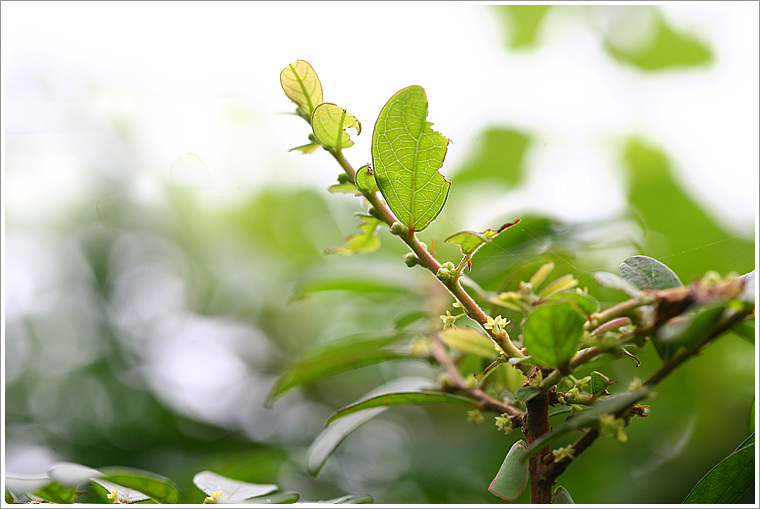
(157, 487)
(728, 480)
(406, 157)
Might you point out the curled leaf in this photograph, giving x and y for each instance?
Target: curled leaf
(406, 156)
(329, 122)
(300, 83)
(469, 241)
(365, 179)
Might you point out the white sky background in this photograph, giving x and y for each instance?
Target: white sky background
(175, 71)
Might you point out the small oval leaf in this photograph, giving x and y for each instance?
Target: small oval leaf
(329, 122)
(647, 273)
(402, 398)
(406, 156)
(300, 83)
(512, 477)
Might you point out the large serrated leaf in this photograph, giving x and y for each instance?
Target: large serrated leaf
(512, 477)
(552, 333)
(327, 441)
(648, 274)
(337, 357)
(329, 123)
(300, 83)
(401, 398)
(406, 157)
(728, 480)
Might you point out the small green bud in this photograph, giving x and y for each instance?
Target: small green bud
(398, 229)
(541, 274)
(374, 213)
(411, 260)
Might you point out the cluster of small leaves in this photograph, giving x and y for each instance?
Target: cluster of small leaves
(68, 483)
(561, 326)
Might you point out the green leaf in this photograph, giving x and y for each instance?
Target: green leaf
(523, 23)
(329, 122)
(157, 487)
(690, 333)
(365, 241)
(469, 241)
(406, 156)
(124, 495)
(552, 334)
(662, 48)
(561, 496)
(309, 148)
(57, 493)
(327, 441)
(232, 491)
(337, 357)
(344, 185)
(409, 318)
(512, 477)
(599, 383)
(527, 393)
(301, 84)
(728, 480)
(498, 160)
(365, 179)
(401, 398)
(648, 274)
(469, 341)
(346, 499)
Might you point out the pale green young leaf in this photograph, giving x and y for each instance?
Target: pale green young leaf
(469, 241)
(301, 84)
(365, 179)
(512, 477)
(329, 122)
(366, 241)
(552, 333)
(309, 148)
(469, 341)
(406, 157)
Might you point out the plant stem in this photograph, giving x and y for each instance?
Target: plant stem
(536, 425)
(428, 261)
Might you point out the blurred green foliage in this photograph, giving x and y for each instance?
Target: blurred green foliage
(83, 380)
